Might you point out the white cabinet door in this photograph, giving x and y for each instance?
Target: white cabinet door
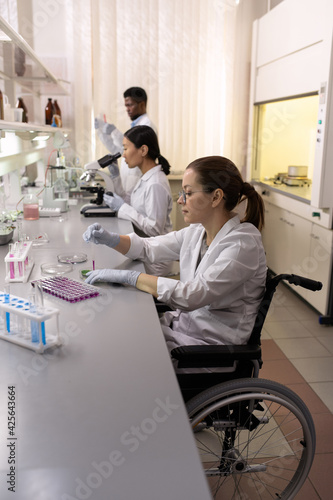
(287, 240)
(271, 237)
(319, 266)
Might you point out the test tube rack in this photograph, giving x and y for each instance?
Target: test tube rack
(27, 326)
(19, 263)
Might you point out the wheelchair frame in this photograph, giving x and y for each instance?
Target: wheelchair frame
(256, 437)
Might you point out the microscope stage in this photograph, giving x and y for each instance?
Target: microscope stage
(92, 210)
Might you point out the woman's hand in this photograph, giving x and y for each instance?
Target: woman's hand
(114, 201)
(100, 236)
(113, 276)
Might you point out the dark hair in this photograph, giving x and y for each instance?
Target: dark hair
(142, 135)
(137, 94)
(218, 172)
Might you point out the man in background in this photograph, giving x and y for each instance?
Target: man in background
(136, 107)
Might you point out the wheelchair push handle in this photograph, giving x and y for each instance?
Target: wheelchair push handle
(294, 279)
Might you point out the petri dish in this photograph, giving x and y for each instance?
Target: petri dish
(56, 269)
(72, 258)
(39, 240)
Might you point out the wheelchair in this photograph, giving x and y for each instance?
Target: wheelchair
(255, 437)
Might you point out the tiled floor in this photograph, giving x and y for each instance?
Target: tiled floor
(298, 352)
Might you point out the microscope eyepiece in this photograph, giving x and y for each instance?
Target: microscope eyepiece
(108, 159)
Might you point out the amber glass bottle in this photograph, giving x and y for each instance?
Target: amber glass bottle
(57, 112)
(20, 104)
(49, 112)
(56, 108)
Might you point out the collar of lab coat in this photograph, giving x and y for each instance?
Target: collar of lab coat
(225, 229)
(151, 172)
(147, 176)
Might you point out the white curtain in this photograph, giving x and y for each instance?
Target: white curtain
(191, 56)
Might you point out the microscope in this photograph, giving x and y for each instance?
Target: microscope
(96, 207)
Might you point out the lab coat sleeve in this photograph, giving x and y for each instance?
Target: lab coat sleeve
(113, 142)
(235, 263)
(165, 248)
(119, 189)
(117, 138)
(157, 201)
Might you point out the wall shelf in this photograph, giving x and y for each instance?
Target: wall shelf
(30, 127)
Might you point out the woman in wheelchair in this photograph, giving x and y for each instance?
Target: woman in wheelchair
(256, 438)
(222, 259)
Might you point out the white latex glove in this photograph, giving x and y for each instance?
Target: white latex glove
(114, 202)
(104, 127)
(100, 236)
(114, 170)
(107, 128)
(98, 123)
(113, 276)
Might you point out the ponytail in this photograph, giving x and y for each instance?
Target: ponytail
(255, 212)
(144, 135)
(160, 160)
(216, 172)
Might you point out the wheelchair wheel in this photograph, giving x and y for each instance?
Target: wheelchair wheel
(255, 437)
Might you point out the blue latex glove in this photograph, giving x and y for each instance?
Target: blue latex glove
(113, 276)
(114, 202)
(100, 236)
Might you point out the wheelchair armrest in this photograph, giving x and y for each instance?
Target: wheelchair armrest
(161, 307)
(209, 356)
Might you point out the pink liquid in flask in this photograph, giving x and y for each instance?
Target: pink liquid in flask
(31, 211)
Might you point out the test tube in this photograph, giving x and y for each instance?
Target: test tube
(19, 229)
(93, 256)
(7, 301)
(40, 309)
(19, 263)
(33, 324)
(11, 263)
(20, 320)
(24, 242)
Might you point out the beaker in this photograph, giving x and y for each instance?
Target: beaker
(30, 207)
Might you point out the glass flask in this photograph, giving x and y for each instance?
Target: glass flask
(61, 186)
(30, 207)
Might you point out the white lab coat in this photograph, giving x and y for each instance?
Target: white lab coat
(130, 176)
(124, 184)
(149, 210)
(216, 302)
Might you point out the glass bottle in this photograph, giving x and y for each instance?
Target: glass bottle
(30, 207)
(61, 186)
(57, 108)
(49, 112)
(20, 104)
(57, 114)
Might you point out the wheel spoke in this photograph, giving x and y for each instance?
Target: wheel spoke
(253, 455)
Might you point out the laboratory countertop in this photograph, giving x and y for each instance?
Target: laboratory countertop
(300, 193)
(101, 416)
